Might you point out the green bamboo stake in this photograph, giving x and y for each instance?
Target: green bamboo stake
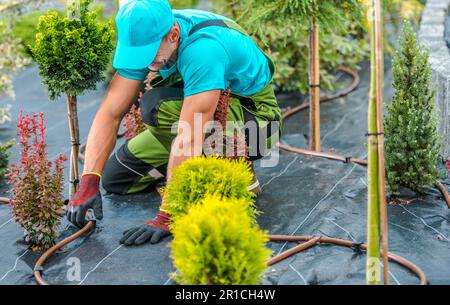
(373, 204)
(378, 29)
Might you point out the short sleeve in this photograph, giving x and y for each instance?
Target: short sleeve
(203, 65)
(138, 74)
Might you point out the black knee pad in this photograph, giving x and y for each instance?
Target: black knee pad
(122, 170)
(153, 98)
(264, 133)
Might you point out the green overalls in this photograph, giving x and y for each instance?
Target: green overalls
(142, 161)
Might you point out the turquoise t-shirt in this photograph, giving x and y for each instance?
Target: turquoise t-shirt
(214, 58)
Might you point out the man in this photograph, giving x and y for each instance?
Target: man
(197, 55)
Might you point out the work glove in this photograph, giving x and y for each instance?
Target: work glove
(153, 230)
(87, 197)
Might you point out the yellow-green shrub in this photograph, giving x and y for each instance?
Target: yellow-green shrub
(198, 177)
(215, 243)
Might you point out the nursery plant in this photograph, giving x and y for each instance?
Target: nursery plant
(199, 177)
(288, 47)
(37, 183)
(215, 243)
(412, 139)
(133, 122)
(72, 52)
(4, 156)
(226, 139)
(259, 17)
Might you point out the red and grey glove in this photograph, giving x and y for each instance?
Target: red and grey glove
(87, 197)
(153, 230)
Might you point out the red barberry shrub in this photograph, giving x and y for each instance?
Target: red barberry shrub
(36, 203)
(220, 142)
(133, 122)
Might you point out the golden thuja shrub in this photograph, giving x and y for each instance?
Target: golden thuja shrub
(216, 243)
(198, 177)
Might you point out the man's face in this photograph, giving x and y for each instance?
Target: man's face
(166, 54)
(162, 57)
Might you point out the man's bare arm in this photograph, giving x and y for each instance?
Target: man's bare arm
(103, 133)
(197, 111)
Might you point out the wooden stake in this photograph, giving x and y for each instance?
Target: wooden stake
(381, 169)
(314, 89)
(75, 142)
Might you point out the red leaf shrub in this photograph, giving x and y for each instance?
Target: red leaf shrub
(133, 122)
(36, 203)
(228, 146)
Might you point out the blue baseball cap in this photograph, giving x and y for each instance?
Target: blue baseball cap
(141, 26)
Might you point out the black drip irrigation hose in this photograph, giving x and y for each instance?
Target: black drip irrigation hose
(324, 99)
(38, 267)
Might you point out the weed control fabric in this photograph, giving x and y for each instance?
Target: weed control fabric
(301, 196)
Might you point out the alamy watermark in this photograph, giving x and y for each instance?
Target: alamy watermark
(74, 272)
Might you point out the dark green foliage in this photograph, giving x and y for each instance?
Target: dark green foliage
(72, 52)
(4, 156)
(331, 15)
(281, 31)
(412, 140)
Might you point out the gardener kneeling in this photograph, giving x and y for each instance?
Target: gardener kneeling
(196, 55)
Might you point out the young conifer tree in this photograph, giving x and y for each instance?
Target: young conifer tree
(412, 140)
(72, 53)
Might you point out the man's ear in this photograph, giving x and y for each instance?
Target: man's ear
(174, 33)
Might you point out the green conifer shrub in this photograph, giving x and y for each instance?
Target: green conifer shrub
(72, 51)
(215, 243)
(281, 29)
(198, 177)
(412, 140)
(4, 156)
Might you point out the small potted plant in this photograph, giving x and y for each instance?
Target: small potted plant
(72, 52)
(412, 139)
(37, 183)
(216, 243)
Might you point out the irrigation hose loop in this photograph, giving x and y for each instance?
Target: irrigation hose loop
(444, 192)
(38, 267)
(311, 241)
(323, 99)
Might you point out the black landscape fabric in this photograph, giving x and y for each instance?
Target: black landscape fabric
(301, 196)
